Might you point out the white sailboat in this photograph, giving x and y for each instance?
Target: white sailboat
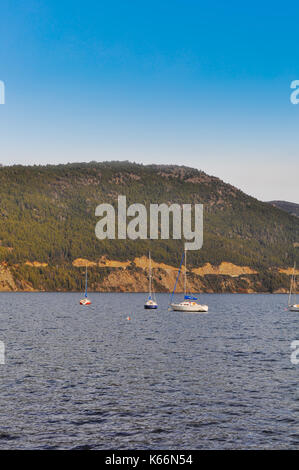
(189, 303)
(151, 300)
(293, 306)
(85, 301)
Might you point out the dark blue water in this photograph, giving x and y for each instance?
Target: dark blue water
(80, 377)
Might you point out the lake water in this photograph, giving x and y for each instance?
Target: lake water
(86, 377)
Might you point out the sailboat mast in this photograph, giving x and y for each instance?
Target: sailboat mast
(295, 284)
(150, 274)
(292, 284)
(185, 278)
(86, 280)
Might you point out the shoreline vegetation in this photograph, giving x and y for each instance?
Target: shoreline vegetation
(117, 276)
(47, 231)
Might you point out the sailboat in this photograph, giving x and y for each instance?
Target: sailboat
(85, 301)
(189, 303)
(151, 300)
(293, 307)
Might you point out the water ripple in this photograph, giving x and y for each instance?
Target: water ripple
(87, 379)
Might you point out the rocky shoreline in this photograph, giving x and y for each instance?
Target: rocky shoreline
(132, 276)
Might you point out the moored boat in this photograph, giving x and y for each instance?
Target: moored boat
(292, 305)
(151, 303)
(189, 303)
(188, 306)
(85, 300)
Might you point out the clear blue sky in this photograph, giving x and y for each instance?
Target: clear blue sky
(204, 84)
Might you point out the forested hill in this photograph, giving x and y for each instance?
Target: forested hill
(48, 215)
(289, 207)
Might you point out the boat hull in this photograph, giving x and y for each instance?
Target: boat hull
(150, 307)
(85, 302)
(196, 308)
(294, 308)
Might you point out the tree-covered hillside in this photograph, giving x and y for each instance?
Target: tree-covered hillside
(289, 207)
(48, 214)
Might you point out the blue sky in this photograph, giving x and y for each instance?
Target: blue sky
(204, 84)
